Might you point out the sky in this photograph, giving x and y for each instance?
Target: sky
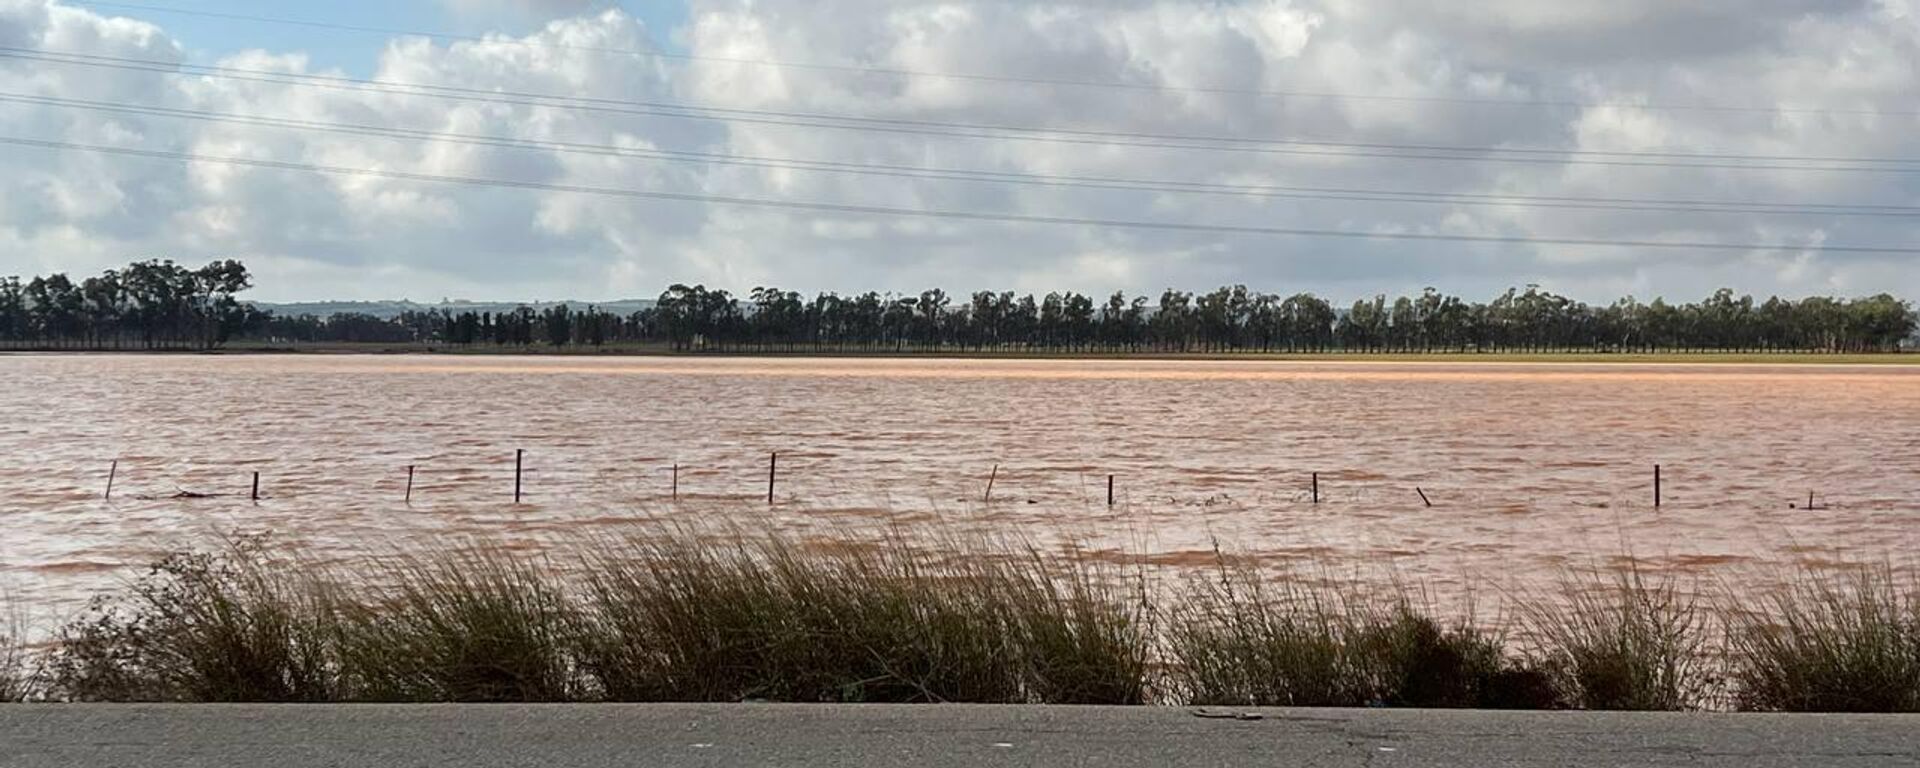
(534, 150)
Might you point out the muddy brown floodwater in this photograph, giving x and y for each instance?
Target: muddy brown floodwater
(1530, 468)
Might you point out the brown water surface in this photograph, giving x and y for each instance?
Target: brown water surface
(1531, 468)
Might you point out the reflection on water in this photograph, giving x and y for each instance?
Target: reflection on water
(1530, 468)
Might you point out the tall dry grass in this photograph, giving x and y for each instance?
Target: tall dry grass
(762, 618)
(677, 617)
(16, 664)
(227, 627)
(1829, 643)
(1239, 638)
(472, 626)
(689, 615)
(1625, 641)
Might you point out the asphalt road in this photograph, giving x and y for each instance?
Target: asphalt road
(33, 736)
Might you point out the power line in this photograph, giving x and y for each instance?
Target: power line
(999, 177)
(218, 71)
(873, 210)
(992, 132)
(1010, 79)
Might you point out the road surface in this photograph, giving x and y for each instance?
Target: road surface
(46, 735)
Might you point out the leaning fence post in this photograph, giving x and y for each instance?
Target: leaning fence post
(111, 472)
(1423, 496)
(256, 486)
(519, 456)
(988, 498)
(409, 483)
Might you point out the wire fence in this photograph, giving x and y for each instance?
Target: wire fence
(802, 479)
(1449, 528)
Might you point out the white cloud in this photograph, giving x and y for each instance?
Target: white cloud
(518, 9)
(311, 236)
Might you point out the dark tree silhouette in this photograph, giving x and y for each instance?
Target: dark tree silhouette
(160, 305)
(150, 305)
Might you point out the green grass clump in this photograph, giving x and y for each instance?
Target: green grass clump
(471, 627)
(1629, 643)
(1240, 639)
(1830, 644)
(201, 628)
(1079, 640)
(675, 619)
(699, 616)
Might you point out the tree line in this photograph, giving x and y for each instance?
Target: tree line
(1235, 318)
(154, 304)
(157, 304)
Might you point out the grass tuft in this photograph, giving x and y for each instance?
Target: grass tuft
(478, 626)
(1625, 643)
(16, 664)
(201, 628)
(1079, 640)
(674, 619)
(1830, 643)
(1242, 640)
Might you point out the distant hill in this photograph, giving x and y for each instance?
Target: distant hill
(392, 309)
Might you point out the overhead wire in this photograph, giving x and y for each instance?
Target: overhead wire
(967, 130)
(875, 210)
(1158, 141)
(998, 177)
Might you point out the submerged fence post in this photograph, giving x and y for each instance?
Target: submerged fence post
(256, 486)
(988, 498)
(111, 472)
(1656, 486)
(519, 456)
(773, 463)
(1316, 487)
(409, 483)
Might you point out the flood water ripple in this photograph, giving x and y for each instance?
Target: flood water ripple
(1531, 468)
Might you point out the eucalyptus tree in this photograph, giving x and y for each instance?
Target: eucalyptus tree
(779, 318)
(1172, 325)
(101, 303)
(557, 325)
(57, 308)
(213, 301)
(1309, 322)
(15, 318)
(1365, 326)
(1220, 317)
(1123, 323)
